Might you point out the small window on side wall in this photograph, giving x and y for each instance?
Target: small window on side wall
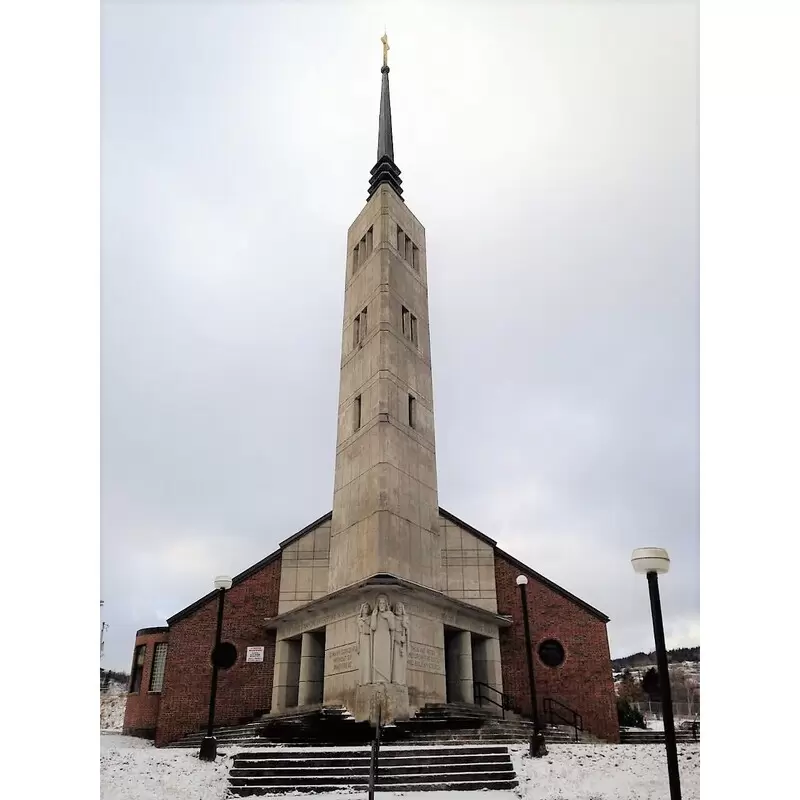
(137, 668)
(357, 413)
(412, 411)
(159, 664)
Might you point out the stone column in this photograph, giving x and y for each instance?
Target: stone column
(463, 682)
(312, 669)
(286, 675)
(494, 667)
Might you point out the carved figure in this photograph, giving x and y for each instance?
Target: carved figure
(383, 627)
(364, 645)
(401, 643)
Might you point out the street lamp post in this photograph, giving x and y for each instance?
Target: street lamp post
(208, 747)
(651, 561)
(537, 737)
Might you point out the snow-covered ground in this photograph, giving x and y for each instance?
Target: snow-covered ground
(605, 772)
(112, 707)
(132, 769)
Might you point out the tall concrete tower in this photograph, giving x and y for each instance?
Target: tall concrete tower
(385, 506)
(374, 613)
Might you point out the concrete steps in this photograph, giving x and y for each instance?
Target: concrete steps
(401, 769)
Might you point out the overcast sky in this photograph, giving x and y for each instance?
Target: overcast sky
(549, 148)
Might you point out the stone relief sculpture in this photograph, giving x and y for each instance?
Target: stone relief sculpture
(401, 642)
(382, 625)
(383, 642)
(364, 645)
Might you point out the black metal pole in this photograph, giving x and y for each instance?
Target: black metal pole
(537, 739)
(208, 747)
(666, 691)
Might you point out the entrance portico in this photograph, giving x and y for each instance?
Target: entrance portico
(386, 642)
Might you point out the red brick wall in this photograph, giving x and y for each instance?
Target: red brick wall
(141, 709)
(244, 689)
(584, 681)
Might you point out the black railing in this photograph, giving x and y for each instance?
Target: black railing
(373, 761)
(558, 713)
(502, 701)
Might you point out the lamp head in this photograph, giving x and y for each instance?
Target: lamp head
(223, 582)
(522, 580)
(650, 559)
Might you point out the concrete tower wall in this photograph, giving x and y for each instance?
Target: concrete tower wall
(385, 510)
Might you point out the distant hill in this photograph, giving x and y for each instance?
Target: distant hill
(678, 655)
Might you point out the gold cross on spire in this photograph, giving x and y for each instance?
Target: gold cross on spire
(385, 40)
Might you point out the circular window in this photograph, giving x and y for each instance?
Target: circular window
(224, 655)
(551, 653)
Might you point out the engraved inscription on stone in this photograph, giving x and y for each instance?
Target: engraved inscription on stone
(293, 628)
(425, 658)
(451, 618)
(342, 659)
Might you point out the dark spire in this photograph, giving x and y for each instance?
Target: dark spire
(385, 170)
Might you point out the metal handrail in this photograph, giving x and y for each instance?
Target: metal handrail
(505, 701)
(576, 720)
(374, 757)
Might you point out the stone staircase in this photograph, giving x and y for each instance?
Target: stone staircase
(457, 722)
(435, 724)
(401, 769)
(319, 725)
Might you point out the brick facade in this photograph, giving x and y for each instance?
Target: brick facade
(141, 709)
(584, 681)
(244, 690)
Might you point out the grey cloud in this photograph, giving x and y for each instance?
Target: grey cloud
(550, 150)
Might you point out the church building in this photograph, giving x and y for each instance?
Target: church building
(389, 601)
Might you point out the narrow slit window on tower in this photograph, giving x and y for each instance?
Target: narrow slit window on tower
(357, 331)
(409, 251)
(369, 240)
(405, 324)
(355, 259)
(412, 411)
(415, 257)
(401, 243)
(413, 329)
(364, 324)
(357, 413)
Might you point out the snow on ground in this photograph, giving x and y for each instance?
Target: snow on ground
(132, 769)
(605, 772)
(112, 707)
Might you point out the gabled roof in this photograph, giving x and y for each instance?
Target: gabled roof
(524, 567)
(447, 515)
(295, 536)
(460, 522)
(250, 570)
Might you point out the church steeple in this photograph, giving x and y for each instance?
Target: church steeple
(385, 170)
